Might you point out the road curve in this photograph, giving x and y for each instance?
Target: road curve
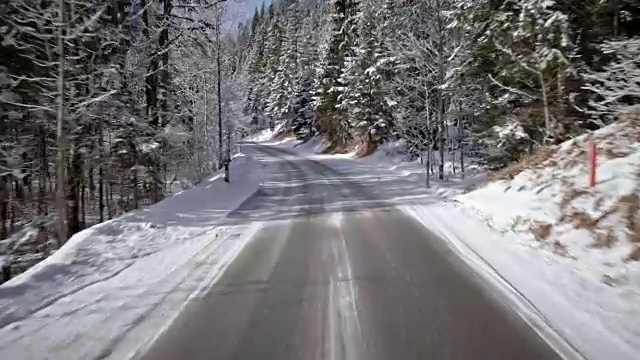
(345, 277)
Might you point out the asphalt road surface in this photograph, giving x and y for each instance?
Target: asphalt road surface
(338, 274)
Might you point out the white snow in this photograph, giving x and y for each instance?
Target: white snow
(109, 290)
(557, 195)
(583, 303)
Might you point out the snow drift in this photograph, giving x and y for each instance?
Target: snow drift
(552, 203)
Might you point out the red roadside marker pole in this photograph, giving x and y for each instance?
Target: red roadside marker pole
(593, 154)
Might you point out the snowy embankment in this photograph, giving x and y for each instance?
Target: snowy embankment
(575, 285)
(127, 276)
(581, 243)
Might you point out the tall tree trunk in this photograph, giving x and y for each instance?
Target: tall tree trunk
(429, 137)
(163, 41)
(73, 190)
(60, 158)
(219, 83)
(110, 200)
(43, 174)
(461, 141)
(91, 185)
(100, 174)
(134, 184)
(151, 77)
(14, 197)
(83, 203)
(4, 202)
(440, 91)
(151, 99)
(134, 180)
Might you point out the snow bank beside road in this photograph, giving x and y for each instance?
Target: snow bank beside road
(109, 278)
(582, 243)
(569, 310)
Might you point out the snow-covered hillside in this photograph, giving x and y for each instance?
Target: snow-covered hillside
(552, 203)
(129, 275)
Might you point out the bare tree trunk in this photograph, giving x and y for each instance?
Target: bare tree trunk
(83, 204)
(163, 41)
(461, 141)
(4, 197)
(42, 182)
(12, 205)
(134, 184)
(73, 181)
(91, 185)
(441, 135)
(60, 162)
(151, 77)
(100, 174)
(110, 200)
(450, 141)
(219, 91)
(151, 99)
(440, 91)
(547, 117)
(429, 142)
(123, 198)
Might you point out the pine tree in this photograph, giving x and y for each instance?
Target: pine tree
(256, 67)
(361, 100)
(342, 20)
(273, 80)
(302, 110)
(283, 83)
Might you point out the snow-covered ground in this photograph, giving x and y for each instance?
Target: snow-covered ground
(553, 206)
(127, 276)
(580, 295)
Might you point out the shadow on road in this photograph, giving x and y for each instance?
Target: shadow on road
(300, 186)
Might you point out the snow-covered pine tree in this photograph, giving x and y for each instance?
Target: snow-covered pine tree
(361, 101)
(530, 43)
(256, 66)
(302, 111)
(342, 18)
(612, 69)
(282, 86)
(271, 81)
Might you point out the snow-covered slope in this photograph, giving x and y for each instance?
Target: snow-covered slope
(553, 204)
(127, 275)
(571, 250)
